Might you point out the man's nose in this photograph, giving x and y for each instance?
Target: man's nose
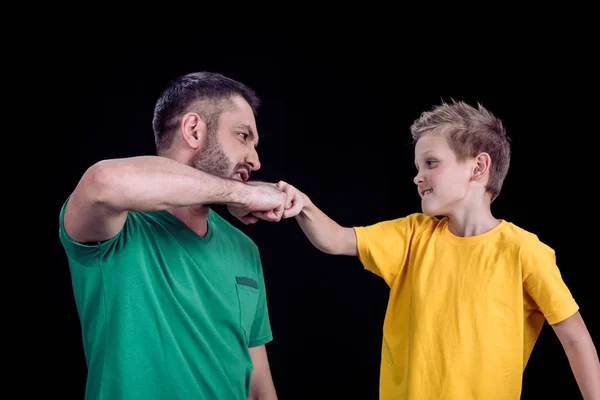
(252, 160)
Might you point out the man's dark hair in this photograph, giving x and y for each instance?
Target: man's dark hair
(207, 93)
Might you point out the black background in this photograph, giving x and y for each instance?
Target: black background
(334, 122)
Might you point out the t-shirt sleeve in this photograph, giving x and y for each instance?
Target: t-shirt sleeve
(544, 286)
(88, 254)
(261, 326)
(383, 248)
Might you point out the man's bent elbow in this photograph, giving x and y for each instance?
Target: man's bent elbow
(98, 182)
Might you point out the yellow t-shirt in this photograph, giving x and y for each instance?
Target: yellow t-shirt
(464, 312)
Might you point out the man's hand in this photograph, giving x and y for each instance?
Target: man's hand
(261, 200)
(269, 194)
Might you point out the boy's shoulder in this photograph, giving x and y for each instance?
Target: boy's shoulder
(414, 218)
(524, 239)
(421, 222)
(417, 218)
(414, 223)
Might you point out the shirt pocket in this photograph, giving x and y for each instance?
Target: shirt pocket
(247, 295)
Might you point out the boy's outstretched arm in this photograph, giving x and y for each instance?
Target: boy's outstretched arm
(323, 232)
(582, 355)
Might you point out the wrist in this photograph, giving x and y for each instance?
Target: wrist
(306, 208)
(237, 193)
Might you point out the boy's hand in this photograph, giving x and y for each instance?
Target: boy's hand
(295, 199)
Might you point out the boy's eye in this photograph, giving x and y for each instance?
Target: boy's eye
(430, 162)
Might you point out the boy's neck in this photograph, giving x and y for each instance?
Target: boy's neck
(472, 221)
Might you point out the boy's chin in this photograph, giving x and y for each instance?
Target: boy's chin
(432, 211)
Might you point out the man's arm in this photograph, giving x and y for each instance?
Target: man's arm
(261, 381)
(582, 355)
(98, 206)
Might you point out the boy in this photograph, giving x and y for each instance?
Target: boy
(469, 292)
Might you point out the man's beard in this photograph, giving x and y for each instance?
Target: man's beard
(212, 159)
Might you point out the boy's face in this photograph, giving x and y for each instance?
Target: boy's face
(443, 183)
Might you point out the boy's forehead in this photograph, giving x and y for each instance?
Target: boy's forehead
(431, 144)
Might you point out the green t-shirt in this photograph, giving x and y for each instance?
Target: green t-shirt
(167, 314)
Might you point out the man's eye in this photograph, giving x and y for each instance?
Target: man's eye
(243, 135)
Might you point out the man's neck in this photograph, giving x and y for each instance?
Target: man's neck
(195, 217)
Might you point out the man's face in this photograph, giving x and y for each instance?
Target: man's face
(230, 152)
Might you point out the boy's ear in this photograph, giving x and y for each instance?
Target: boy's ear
(483, 162)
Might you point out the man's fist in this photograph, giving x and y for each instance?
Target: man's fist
(261, 200)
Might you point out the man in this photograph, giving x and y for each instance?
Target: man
(170, 296)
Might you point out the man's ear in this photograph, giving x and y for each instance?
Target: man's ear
(192, 130)
(483, 163)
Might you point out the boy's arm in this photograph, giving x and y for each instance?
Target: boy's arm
(98, 206)
(323, 232)
(582, 354)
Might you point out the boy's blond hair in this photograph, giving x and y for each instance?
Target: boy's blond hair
(469, 131)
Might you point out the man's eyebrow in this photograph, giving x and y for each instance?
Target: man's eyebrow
(251, 133)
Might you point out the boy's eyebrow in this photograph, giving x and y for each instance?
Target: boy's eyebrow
(424, 154)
